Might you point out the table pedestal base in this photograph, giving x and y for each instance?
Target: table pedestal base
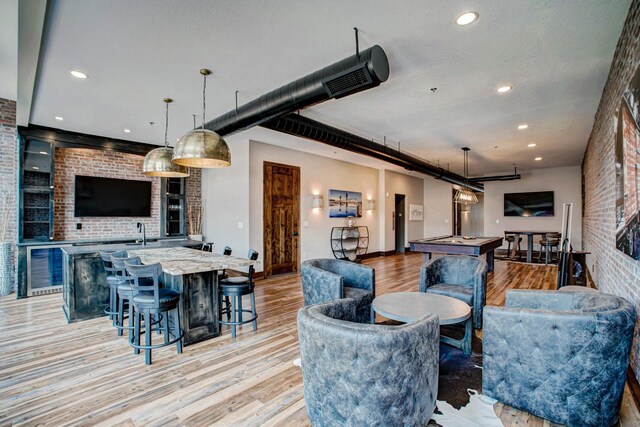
(465, 343)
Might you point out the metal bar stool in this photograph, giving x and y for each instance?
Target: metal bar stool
(149, 300)
(221, 276)
(112, 282)
(511, 238)
(235, 288)
(547, 244)
(207, 247)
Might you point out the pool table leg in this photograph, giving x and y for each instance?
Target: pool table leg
(490, 258)
(426, 256)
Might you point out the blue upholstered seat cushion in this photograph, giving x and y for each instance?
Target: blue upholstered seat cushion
(165, 295)
(463, 293)
(355, 293)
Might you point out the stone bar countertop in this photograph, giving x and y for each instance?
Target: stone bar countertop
(180, 260)
(129, 247)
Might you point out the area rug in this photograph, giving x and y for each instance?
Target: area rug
(459, 402)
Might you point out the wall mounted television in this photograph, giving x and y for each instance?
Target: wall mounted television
(109, 197)
(537, 204)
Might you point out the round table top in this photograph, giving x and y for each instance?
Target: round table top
(409, 306)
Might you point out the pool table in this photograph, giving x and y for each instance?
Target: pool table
(457, 245)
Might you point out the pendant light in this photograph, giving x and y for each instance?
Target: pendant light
(202, 148)
(158, 162)
(465, 195)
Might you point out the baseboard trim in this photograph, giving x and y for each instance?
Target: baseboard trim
(388, 253)
(634, 386)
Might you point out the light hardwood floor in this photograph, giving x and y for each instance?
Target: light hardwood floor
(53, 373)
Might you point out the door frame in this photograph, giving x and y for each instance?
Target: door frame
(266, 209)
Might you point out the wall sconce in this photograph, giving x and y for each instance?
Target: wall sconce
(370, 205)
(318, 201)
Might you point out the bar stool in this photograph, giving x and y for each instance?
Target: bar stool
(149, 300)
(221, 276)
(547, 244)
(207, 247)
(112, 282)
(125, 291)
(511, 238)
(235, 288)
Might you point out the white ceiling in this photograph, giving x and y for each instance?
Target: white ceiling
(9, 49)
(556, 54)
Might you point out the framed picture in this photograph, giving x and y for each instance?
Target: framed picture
(416, 213)
(627, 204)
(345, 203)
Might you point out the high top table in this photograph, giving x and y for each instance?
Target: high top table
(194, 274)
(409, 306)
(529, 235)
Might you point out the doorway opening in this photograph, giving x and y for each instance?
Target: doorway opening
(399, 220)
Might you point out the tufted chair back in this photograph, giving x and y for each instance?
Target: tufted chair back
(562, 356)
(443, 274)
(326, 280)
(360, 374)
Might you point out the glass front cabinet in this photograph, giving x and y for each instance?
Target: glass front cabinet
(36, 191)
(173, 207)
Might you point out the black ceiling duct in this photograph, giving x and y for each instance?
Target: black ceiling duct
(356, 73)
(304, 127)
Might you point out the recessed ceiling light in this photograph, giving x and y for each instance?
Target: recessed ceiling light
(36, 168)
(59, 118)
(533, 144)
(537, 159)
(467, 18)
(127, 130)
(523, 126)
(504, 89)
(78, 74)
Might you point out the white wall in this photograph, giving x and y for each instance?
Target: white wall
(438, 208)
(317, 175)
(412, 188)
(225, 196)
(472, 222)
(565, 182)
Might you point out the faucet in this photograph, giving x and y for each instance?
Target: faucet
(141, 229)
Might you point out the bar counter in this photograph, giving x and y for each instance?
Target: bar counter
(84, 288)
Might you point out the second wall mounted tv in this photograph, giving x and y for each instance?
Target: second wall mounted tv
(538, 203)
(109, 197)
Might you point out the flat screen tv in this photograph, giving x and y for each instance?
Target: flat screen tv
(538, 203)
(108, 197)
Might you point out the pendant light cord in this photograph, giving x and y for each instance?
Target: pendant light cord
(204, 103)
(166, 125)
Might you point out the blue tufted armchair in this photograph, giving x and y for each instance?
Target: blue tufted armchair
(331, 279)
(562, 356)
(458, 276)
(357, 374)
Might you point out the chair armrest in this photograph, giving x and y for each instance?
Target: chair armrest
(429, 274)
(539, 300)
(320, 286)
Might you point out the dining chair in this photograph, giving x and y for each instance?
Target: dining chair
(548, 243)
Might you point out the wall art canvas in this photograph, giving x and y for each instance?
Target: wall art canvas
(416, 213)
(345, 203)
(627, 180)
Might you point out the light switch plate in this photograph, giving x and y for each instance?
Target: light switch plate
(305, 223)
(240, 225)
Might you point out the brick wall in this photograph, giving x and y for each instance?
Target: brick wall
(613, 271)
(68, 163)
(9, 162)
(193, 190)
(9, 167)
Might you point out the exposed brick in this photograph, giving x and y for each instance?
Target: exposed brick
(613, 271)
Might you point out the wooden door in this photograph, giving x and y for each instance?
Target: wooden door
(281, 217)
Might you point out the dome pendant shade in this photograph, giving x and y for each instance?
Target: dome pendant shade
(158, 162)
(202, 148)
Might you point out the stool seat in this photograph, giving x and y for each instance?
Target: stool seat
(165, 296)
(236, 288)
